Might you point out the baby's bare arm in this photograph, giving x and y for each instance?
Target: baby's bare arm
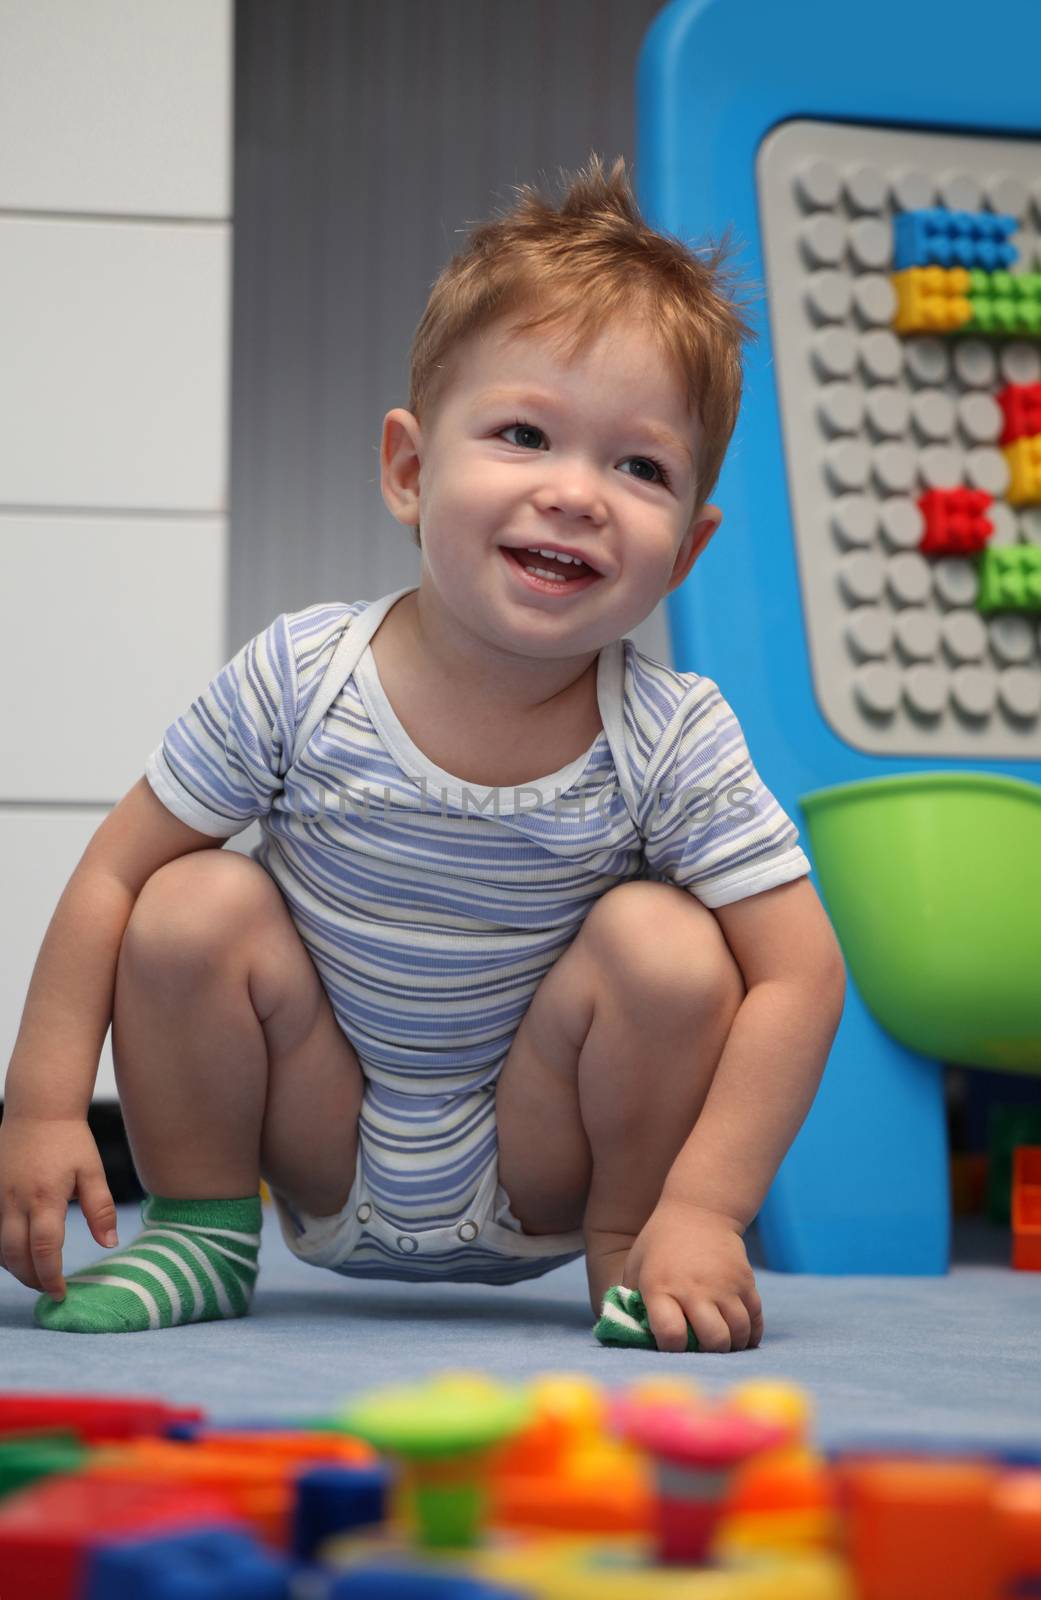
(47, 1152)
(775, 1055)
(68, 1007)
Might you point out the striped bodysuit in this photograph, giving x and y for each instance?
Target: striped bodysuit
(433, 908)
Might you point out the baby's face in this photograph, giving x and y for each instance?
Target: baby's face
(596, 455)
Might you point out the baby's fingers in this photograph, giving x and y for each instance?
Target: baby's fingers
(46, 1237)
(14, 1247)
(668, 1323)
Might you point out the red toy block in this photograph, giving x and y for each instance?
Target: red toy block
(1021, 405)
(94, 1418)
(1026, 1207)
(48, 1530)
(955, 523)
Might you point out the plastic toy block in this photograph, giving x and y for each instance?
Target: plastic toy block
(336, 1500)
(1010, 579)
(443, 1431)
(48, 1531)
(598, 1491)
(784, 1498)
(563, 1472)
(1021, 287)
(955, 521)
(207, 1563)
(580, 1570)
(1021, 406)
(932, 300)
(404, 1583)
(1026, 1208)
(1007, 1127)
(26, 1457)
(259, 1487)
(1004, 303)
(1024, 465)
(696, 1451)
(335, 1449)
(1018, 1500)
(92, 1417)
(937, 237)
(922, 1527)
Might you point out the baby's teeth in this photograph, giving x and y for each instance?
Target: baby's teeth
(540, 572)
(535, 550)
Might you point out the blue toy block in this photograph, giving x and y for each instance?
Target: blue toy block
(403, 1583)
(333, 1500)
(936, 237)
(207, 1564)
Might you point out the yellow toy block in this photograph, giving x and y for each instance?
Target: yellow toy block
(931, 299)
(584, 1570)
(1024, 465)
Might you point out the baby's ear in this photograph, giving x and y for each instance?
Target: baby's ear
(706, 520)
(399, 465)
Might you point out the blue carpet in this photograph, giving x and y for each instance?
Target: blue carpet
(950, 1359)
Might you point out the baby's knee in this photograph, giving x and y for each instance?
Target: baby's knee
(658, 945)
(195, 910)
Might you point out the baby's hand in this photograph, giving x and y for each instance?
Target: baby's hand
(44, 1161)
(690, 1265)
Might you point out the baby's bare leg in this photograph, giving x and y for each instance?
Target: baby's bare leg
(229, 1061)
(611, 1067)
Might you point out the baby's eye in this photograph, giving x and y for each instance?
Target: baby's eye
(523, 427)
(648, 461)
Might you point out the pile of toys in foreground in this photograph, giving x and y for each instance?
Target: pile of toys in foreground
(465, 1488)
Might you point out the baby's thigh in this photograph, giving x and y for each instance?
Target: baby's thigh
(309, 1141)
(309, 1135)
(217, 918)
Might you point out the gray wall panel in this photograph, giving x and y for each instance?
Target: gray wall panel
(370, 134)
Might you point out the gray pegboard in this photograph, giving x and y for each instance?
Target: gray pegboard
(902, 661)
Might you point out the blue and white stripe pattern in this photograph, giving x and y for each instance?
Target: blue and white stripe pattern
(432, 909)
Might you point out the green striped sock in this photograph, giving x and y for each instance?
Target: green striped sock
(195, 1261)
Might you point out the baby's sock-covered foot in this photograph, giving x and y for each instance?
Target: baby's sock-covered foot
(195, 1261)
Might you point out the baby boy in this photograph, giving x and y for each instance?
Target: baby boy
(527, 964)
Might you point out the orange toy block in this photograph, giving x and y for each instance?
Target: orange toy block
(257, 1483)
(1026, 1208)
(923, 1529)
(1018, 1499)
(563, 1472)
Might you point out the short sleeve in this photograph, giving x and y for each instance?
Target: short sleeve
(708, 821)
(223, 762)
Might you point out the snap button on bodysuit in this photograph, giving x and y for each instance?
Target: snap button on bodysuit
(408, 1244)
(468, 1230)
(364, 1212)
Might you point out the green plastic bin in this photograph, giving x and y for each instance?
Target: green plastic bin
(933, 884)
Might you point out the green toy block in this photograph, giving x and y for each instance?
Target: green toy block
(1007, 1127)
(443, 1429)
(1010, 578)
(24, 1457)
(1004, 303)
